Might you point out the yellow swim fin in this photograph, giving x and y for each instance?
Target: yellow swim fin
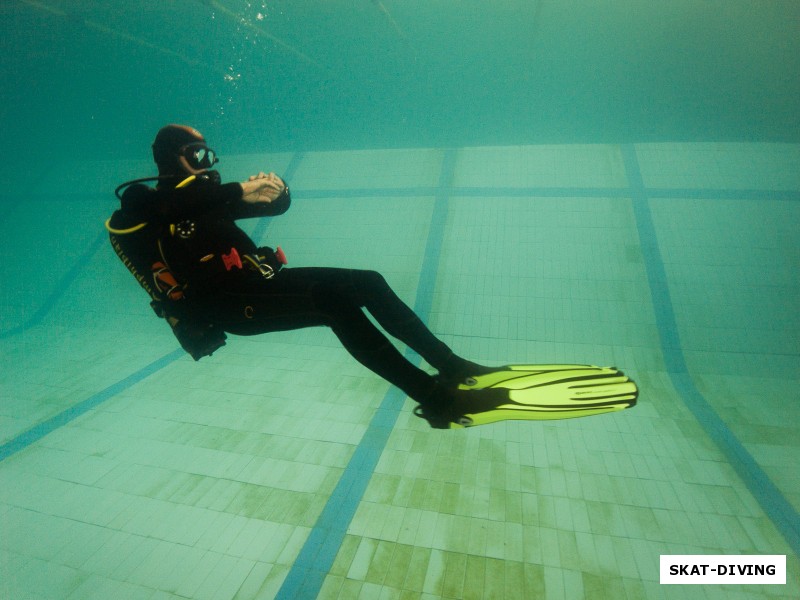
(542, 392)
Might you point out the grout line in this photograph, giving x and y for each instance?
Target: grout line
(61, 288)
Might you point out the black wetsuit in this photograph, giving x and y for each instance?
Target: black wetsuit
(192, 233)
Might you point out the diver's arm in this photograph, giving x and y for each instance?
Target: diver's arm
(256, 197)
(263, 195)
(192, 201)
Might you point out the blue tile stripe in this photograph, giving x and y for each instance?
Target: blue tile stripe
(721, 194)
(37, 432)
(60, 289)
(555, 192)
(315, 559)
(766, 493)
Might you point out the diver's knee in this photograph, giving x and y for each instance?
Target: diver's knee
(372, 281)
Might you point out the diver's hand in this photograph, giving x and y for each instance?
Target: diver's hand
(262, 188)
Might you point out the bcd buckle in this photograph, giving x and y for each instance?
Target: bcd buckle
(266, 271)
(257, 263)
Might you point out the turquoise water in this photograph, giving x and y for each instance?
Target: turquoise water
(96, 81)
(599, 182)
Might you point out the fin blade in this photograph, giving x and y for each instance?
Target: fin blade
(545, 392)
(509, 375)
(512, 414)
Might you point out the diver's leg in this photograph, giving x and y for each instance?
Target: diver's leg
(308, 297)
(375, 294)
(370, 347)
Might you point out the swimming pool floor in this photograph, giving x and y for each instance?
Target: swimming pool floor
(280, 467)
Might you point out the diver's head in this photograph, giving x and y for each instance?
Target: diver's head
(180, 150)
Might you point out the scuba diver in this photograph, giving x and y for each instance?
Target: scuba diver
(207, 278)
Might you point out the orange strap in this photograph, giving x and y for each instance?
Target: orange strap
(166, 282)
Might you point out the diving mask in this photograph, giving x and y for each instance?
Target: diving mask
(198, 156)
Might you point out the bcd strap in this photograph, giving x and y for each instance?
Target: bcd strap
(267, 261)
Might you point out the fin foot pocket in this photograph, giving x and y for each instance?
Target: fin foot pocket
(457, 408)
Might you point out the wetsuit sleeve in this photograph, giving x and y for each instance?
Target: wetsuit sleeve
(247, 210)
(194, 201)
(171, 204)
(185, 203)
